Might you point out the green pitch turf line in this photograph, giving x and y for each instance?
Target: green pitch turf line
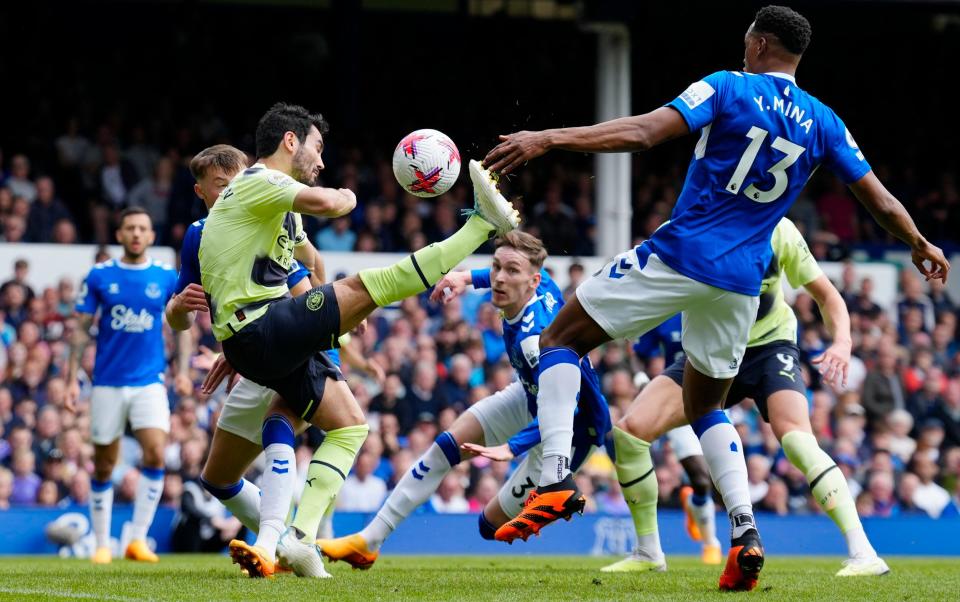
(535, 578)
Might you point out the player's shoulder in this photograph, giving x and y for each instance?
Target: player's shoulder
(260, 174)
(196, 227)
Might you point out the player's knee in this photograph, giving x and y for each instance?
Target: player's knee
(487, 530)
(153, 456)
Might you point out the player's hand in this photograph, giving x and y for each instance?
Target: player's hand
(939, 266)
(450, 286)
(514, 150)
(349, 201)
(500, 453)
(834, 364)
(183, 385)
(220, 370)
(190, 299)
(72, 396)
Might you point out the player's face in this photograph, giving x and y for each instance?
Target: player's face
(512, 279)
(307, 160)
(211, 184)
(135, 234)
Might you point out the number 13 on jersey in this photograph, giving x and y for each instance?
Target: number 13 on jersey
(778, 171)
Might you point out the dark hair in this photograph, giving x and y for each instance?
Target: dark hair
(227, 158)
(283, 118)
(791, 28)
(132, 210)
(526, 244)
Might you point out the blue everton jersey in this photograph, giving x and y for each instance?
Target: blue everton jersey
(662, 341)
(761, 138)
(521, 334)
(190, 260)
(131, 299)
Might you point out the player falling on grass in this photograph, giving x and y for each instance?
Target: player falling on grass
(528, 300)
(236, 439)
(128, 386)
(770, 375)
(274, 339)
(761, 138)
(659, 348)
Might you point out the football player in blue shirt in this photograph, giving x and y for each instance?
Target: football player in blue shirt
(128, 385)
(761, 138)
(499, 426)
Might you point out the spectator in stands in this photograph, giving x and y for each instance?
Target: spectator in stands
(423, 400)
(45, 211)
(362, 491)
(948, 413)
(14, 229)
(455, 389)
(26, 482)
(64, 233)
(449, 498)
(6, 488)
(928, 496)
(337, 236)
(554, 222)
(881, 491)
(19, 181)
(153, 194)
(883, 389)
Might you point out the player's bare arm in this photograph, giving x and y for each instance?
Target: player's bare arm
(890, 214)
(183, 384)
(835, 361)
(181, 308)
(325, 202)
(78, 342)
(311, 259)
(626, 134)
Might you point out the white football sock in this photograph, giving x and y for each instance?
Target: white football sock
(245, 505)
(149, 490)
(279, 480)
(648, 546)
(858, 546)
(559, 384)
(723, 451)
(705, 516)
(101, 509)
(415, 487)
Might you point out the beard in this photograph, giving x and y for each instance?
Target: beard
(303, 169)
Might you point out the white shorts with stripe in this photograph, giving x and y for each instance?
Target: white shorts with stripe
(636, 292)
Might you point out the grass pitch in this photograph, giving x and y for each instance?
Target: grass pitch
(208, 577)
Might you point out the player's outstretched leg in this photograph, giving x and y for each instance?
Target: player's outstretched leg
(638, 480)
(572, 335)
(830, 490)
(492, 215)
(361, 550)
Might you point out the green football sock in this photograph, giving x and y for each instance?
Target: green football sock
(421, 270)
(827, 483)
(327, 472)
(638, 481)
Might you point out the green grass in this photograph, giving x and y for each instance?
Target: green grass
(530, 578)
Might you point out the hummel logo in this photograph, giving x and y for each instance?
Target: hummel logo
(733, 446)
(423, 468)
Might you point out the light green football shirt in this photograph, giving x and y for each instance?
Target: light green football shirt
(791, 257)
(247, 247)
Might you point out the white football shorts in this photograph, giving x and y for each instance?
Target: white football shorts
(636, 292)
(243, 410)
(684, 442)
(145, 407)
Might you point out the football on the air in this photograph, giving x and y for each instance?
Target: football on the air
(426, 163)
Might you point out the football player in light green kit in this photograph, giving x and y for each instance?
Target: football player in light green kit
(770, 375)
(272, 339)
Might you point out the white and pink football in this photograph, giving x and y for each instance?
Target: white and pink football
(426, 163)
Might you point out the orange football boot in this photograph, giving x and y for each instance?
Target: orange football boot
(744, 562)
(545, 505)
(138, 550)
(693, 530)
(351, 549)
(252, 559)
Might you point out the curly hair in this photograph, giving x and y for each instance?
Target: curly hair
(791, 28)
(283, 118)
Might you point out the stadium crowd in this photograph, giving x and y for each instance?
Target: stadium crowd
(894, 431)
